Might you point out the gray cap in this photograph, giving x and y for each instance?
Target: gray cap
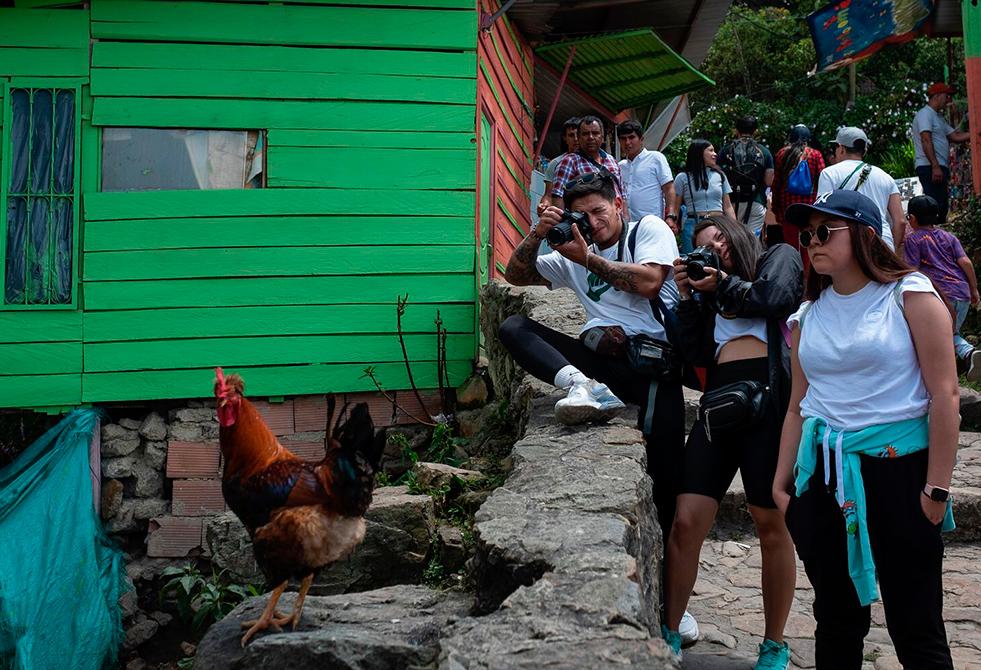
(848, 135)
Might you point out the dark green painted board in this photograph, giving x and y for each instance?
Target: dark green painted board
(45, 358)
(284, 24)
(275, 202)
(68, 28)
(293, 59)
(265, 381)
(151, 324)
(286, 231)
(274, 261)
(270, 350)
(40, 326)
(377, 168)
(43, 62)
(280, 85)
(371, 139)
(251, 114)
(40, 390)
(277, 291)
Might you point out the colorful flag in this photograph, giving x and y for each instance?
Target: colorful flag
(849, 30)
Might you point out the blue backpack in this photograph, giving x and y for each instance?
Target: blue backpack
(799, 182)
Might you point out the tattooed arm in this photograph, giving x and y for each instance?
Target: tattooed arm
(522, 268)
(643, 279)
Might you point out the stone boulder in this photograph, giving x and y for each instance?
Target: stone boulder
(970, 409)
(438, 475)
(399, 532)
(388, 629)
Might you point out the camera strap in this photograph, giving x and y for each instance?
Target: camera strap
(662, 314)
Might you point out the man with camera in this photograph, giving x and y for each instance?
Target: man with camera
(616, 269)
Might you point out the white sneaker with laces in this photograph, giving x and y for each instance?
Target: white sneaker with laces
(973, 373)
(688, 629)
(588, 401)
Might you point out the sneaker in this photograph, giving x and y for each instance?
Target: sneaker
(773, 656)
(688, 629)
(973, 373)
(588, 401)
(673, 639)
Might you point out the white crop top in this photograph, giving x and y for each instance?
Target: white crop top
(727, 330)
(858, 356)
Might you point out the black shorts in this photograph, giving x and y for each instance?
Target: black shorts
(709, 467)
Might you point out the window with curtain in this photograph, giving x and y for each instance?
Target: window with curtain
(40, 197)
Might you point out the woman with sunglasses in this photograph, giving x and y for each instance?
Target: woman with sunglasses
(703, 188)
(869, 439)
(733, 329)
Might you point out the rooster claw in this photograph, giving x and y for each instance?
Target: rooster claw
(256, 626)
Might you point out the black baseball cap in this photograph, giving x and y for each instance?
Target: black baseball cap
(847, 205)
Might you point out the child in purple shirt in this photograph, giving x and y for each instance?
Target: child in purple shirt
(939, 255)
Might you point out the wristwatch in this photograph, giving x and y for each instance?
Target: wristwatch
(935, 493)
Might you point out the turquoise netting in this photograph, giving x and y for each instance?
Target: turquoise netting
(60, 575)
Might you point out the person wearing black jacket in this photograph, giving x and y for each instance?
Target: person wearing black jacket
(732, 327)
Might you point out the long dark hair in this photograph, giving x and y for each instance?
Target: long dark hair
(744, 248)
(798, 139)
(877, 262)
(695, 165)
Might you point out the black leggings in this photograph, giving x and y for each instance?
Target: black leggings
(543, 352)
(908, 554)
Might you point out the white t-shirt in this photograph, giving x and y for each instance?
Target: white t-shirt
(858, 356)
(643, 177)
(928, 119)
(727, 330)
(604, 304)
(878, 187)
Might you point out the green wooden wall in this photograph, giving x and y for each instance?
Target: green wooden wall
(369, 108)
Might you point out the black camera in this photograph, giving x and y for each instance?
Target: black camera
(697, 260)
(562, 231)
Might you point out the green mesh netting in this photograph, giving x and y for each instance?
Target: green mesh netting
(60, 576)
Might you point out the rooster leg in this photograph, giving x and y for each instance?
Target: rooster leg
(267, 620)
(298, 605)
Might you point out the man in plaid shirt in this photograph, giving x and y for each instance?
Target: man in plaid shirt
(589, 159)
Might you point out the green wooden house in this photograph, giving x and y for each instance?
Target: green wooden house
(253, 185)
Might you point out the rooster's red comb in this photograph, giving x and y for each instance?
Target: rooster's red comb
(219, 377)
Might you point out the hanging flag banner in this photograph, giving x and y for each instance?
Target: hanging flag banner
(849, 30)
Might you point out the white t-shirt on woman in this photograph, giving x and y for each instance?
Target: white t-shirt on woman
(858, 356)
(727, 330)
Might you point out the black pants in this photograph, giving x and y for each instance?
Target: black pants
(937, 191)
(543, 352)
(908, 555)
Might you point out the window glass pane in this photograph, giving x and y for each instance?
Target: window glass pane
(142, 159)
(40, 203)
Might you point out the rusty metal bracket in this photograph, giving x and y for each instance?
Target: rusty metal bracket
(487, 20)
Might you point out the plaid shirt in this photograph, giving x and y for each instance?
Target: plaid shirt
(573, 165)
(781, 199)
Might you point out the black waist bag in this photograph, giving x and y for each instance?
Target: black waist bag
(736, 405)
(653, 358)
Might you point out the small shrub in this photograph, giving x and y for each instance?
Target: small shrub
(202, 600)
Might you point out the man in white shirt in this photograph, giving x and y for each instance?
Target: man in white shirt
(850, 172)
(932, 136)
(647, 181)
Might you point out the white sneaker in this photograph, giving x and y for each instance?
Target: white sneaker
(973, 373)
(688, 629)
(588, 401)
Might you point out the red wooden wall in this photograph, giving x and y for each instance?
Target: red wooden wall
(505, 95)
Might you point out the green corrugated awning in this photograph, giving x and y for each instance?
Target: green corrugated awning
(626, 69)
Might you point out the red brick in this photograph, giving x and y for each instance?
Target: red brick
(192, 459)
(278, 416)
(378, 406)
(410, 410)
(197, 497)
(308, 451)
(309, 413)
(173, 536)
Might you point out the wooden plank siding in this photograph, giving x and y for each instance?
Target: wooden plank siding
(370, 153)
(506, 94)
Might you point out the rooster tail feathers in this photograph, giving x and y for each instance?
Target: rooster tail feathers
(357, 435)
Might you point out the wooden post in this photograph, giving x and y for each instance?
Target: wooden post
(971, 14)
(555, 102)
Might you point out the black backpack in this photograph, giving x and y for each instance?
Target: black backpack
(745, 166)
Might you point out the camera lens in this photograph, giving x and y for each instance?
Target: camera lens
(559, 234)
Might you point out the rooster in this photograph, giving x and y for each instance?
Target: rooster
(301, 516)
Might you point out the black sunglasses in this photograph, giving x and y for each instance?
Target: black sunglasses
(822, 233)
(589, 178)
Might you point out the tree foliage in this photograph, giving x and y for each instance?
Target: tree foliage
(762, 61)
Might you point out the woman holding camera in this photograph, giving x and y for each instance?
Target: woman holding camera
(870, 437)
(703, 188)
(732, 327)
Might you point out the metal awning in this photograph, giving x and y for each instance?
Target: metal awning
(623, 70)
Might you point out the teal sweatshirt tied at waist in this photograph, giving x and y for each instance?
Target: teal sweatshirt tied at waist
(888, 440)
